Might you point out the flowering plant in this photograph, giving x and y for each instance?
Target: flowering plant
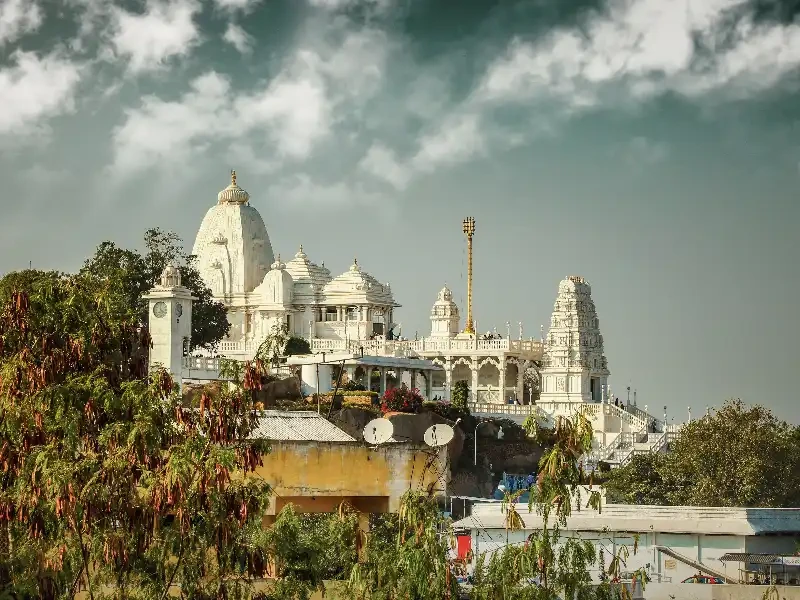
(401, 399)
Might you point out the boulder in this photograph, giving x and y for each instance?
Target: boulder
(352, 421)
(411, 428)
(282, 389)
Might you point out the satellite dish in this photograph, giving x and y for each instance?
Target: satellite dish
(438, 435)
(378, 431)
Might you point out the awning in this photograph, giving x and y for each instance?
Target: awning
(761, 559)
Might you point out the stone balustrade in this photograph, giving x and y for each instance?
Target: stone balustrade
(410, 348)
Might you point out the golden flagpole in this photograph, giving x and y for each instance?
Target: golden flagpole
(469, 231)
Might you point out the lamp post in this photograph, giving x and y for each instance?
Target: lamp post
(475, 438)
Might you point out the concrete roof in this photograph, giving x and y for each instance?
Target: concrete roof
(366, 360)
(661, 519)
(304, 426)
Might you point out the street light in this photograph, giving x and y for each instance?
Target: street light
(475, 437)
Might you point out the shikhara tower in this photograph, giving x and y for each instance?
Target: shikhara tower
(574, 368)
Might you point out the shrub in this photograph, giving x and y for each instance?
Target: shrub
(401, 399)
(446, 410)
(352, 386)
(460, 396)
(297, 345)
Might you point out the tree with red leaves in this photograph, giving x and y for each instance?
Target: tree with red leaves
(110, 482)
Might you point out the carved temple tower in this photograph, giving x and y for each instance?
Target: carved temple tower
(574, 368)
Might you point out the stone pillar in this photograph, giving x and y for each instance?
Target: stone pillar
(383, 381)
(520, 382)
(413, 378)
(351, 373)
(448, 380)
(503, 380)
(428, 384)
(474, 386)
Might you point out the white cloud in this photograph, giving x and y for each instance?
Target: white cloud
(18, 18)
(301, 191)
(645, 47)
(231, 5)
(382, 163)
(291, 114)
(33, 89)
(164, 31)
(642, 150)
(378, 5)
(238, 38)
(167, 132)
(458, 139)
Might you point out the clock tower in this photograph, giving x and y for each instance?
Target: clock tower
(169, 311)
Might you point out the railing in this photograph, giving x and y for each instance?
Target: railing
(201, 363)
(236, 347)
(492, 408)
(427, 346)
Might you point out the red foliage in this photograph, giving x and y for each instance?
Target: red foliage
(401, 399)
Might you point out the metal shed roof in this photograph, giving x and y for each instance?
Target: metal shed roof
(304, 426)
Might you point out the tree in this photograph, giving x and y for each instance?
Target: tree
(740, 456)
(460, 396)
(297, 345)
(548, 566)
(638, 482)
(405, 555)
(131, 274)
(109, 481)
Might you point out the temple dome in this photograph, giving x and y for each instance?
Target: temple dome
(356, 285)
(232, 245)
(277, 288)
(444, 315)
(309, 278)
(233, 194)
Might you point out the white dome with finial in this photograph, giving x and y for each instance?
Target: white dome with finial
(358, 287)
(277, 289)
(444, 315)
(233, 194)
(233, 248)
(309, 277)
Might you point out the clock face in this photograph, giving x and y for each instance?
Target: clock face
(160, 310)
(179, 309)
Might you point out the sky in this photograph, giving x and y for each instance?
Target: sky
(651, 146)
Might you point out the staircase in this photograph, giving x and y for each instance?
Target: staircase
(630, 443)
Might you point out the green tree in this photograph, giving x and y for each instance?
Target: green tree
(297, 345)
(131, 274)
(109, 481)
(405, 555)
(740, 456)
(638, 482)
(548, 565)
(460, 396)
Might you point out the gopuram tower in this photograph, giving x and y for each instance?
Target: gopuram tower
(574, 369)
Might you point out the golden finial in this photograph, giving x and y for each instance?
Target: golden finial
(301, 247)
(355, 261)
(233, 177)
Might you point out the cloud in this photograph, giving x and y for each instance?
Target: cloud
(232, 5)
(291, 114)
(33, 89)
(642, 48)
(164, 31)
(382, 163)
(335, 5)
(641, 150)
(301, 191)
(238, 38)
(18, 18)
